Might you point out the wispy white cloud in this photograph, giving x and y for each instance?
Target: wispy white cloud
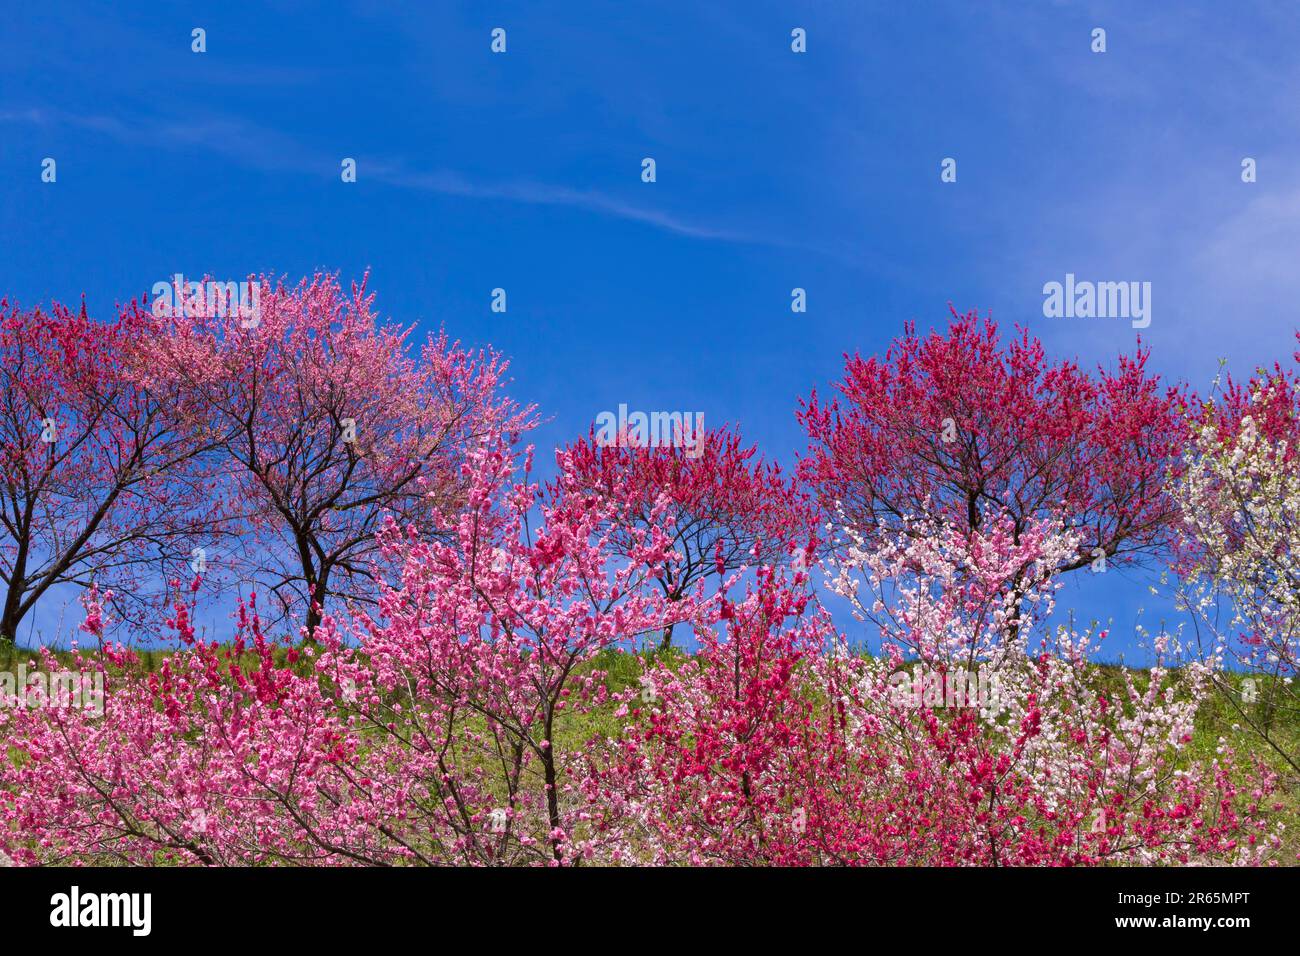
(1259, 244)
(545, 194)
(261, 148)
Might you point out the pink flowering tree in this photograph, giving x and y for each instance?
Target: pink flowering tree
(488, 657)
(727, 508)
(328, 422)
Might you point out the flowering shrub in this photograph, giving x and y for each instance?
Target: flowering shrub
(438, 735)
(777, 745)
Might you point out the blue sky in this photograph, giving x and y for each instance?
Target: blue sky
(774, 170)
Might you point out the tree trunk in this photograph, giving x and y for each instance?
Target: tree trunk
(10, 618)
(667, 641)
(548, 775)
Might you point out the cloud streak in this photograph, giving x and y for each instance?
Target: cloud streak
(265, 149)
(545, 194)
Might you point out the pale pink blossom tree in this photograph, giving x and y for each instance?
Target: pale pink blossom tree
(328, 422)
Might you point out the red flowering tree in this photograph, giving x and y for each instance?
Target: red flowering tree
(100, 479)
(959, 426)
(727, 508)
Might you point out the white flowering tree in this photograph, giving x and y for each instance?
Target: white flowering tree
(1240, 574)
